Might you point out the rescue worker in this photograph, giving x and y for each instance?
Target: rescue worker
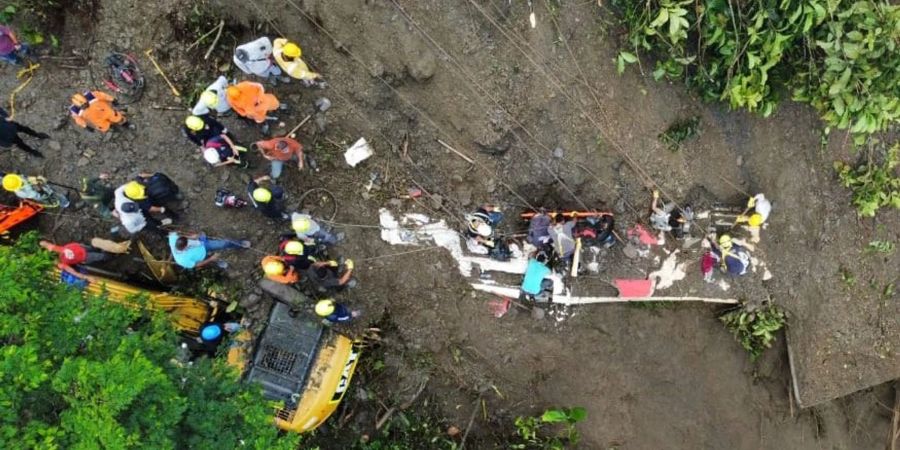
(222, 151)
(332, 276)
(731, 258)
(534, 283)
(287, 55)
(193, 251)
(561, 235)
(756, 214)
(539, 229)
(310, 231)
(480, 229)
(255, 58)
(97, 192)
(277, 270)
(333, 312)
(199, 129)
(270, 202)
(95, 110)
(34, 188)
(669, 217)
(73, 254)
(213, 99)
(249, 100)
(9, 135)
(128, 200)
(11, 50)
(299, 256)
(279, 151)
(152, 192)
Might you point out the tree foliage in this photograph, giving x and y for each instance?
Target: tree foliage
(78, 372)
(839, 56)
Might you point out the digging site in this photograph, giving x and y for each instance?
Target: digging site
(637, 293)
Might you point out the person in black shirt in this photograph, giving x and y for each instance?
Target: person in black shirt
(9, 135)
(199, 129)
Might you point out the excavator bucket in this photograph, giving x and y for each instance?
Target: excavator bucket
(162, 270)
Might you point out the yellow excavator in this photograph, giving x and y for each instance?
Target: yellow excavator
(297, 361)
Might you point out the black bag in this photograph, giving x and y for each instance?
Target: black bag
(160, 188)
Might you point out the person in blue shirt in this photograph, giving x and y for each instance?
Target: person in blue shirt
(537, 270)
(334, 312)
(193, 251)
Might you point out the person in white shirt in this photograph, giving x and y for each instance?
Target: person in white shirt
(213, 98)
(255, 58)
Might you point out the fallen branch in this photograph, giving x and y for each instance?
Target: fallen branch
(205, 35)
(462, 443)
(457, 152)
(302, 122)
(387, 415)
(216, 40)
(168, 108)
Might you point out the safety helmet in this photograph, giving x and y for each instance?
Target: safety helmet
(725, 242)
(262, 195)
(79, 100)
(211, 332)
(291, 50)
(194, 123)
(301, 224)
(325, 307)
(12, 182)
(293, 248)
(135, 190)
(273, 267)
(211, 156)
(233, 91)
(210, 99)
(756, 219)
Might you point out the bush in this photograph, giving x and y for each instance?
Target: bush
(841, 57)
(873, 186)
(79, 372)
(754, 329)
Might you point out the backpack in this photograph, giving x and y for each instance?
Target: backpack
(160, 188)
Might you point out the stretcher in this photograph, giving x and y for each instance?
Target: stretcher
(11, 216)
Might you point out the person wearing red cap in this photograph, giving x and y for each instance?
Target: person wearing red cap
(73, 254)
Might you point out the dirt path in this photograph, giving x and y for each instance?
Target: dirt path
(661, 378)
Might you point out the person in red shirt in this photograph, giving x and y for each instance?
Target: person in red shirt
(279, 151)
(73, 254)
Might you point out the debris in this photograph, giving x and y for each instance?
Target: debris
(294, 130)
(457, 152)
(634, 288)
(323, 104)
(558, 152)
(360, 151)
(499, 306)
(111, 246)
(159, 69)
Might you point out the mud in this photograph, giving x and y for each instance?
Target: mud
(556, 128)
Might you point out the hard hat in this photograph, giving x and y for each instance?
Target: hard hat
(194, 123)
(210, 99)
(756, 219)
(79, 100)
(262, 195)
(301, 224)
(211, 332)
(291, 50)
(135, 190)
(325, 307)
(211, 156)
(725, 241)
(484, 230)
(12, 182)
(273, 267)
(233, 91)
(293, 248)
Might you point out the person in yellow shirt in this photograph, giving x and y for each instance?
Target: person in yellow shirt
(287, 55)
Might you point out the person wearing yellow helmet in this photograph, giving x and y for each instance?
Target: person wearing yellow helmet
(332, 276)
(276, 269)
(193, 251)
(287, 55)
(732, 258)
(269, 200)
(199, 129)
(333, 312)
(213, 99)
(153, 193)
(36, 189)
(309, 230)
(9, 135)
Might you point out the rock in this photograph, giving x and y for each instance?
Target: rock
(151, 154)
(395, 202)
(54, 145)
(558, 152)
(196, 189)
(538, 313)
(740, 160)
(437, 201)
(83, 161)
(250, 300)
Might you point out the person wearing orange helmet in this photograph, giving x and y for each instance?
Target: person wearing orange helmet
(250, 100)
(95, 110)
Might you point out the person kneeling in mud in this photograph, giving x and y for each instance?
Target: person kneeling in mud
(536, 284)
(331, 276)
(481, 235)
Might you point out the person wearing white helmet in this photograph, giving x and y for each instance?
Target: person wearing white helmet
(213, 99)
(255, 58)
(480, 227)
(308, 230)
(222, 151)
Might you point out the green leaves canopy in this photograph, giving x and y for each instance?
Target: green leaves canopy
(78, 372)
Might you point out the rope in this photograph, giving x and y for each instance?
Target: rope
(12, 96)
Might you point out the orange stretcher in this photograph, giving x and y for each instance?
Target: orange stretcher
(575, 214)
(11, 216)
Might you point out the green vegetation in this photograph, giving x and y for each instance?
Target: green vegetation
(755, 329)
(79, 372)
(533, 432)
(881, 247)
(873, 186)
(37, 13)
(408, 431)
(679, 132)
(838, 56)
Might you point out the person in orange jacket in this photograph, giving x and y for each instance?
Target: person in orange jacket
(95, 110)
(249, 100)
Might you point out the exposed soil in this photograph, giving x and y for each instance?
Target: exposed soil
(650, 378)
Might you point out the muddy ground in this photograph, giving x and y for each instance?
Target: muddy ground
(555, 128)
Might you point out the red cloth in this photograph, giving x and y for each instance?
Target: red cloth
(634, 288)
(70, 254)
(643, 235)
(707, 262)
